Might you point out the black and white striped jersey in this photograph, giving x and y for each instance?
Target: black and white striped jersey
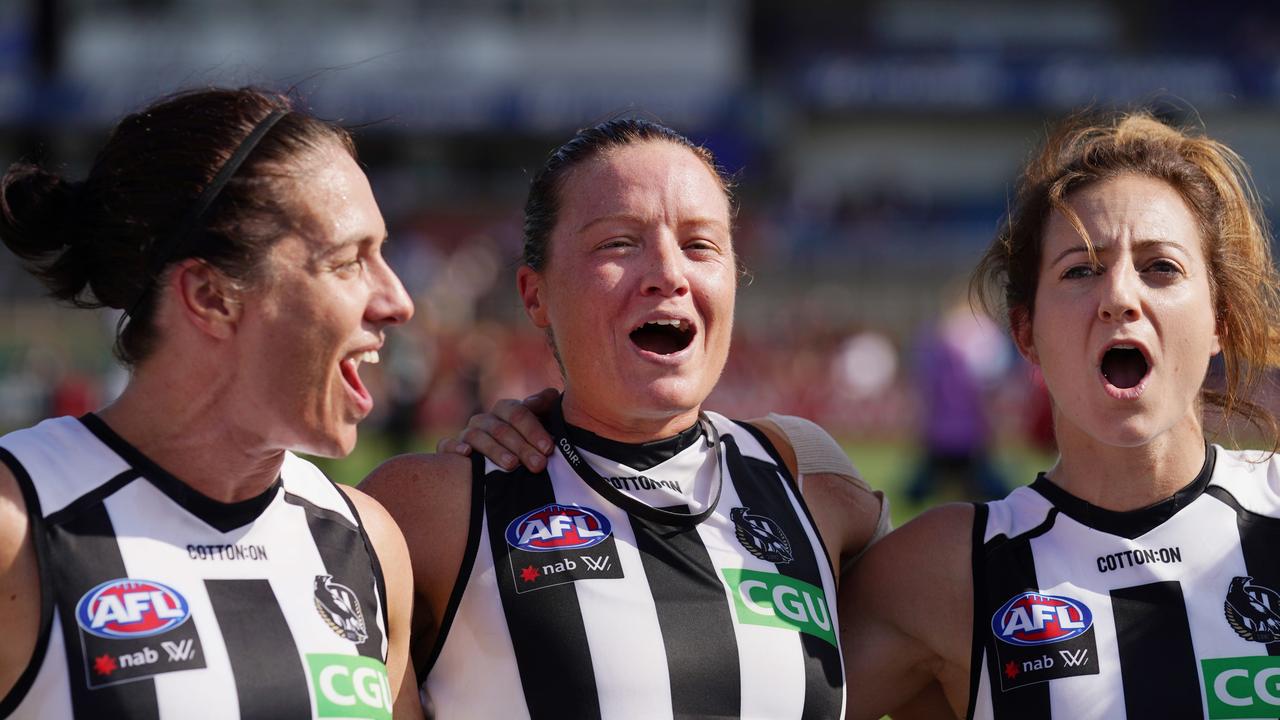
(159, 602)
(1171, 611)
(568, 606)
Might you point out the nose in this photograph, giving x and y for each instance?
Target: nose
(389, 303)
(665, 273)
(1120, 301)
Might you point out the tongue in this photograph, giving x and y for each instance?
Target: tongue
(1124, 368)
(352, 377)
(662, 340)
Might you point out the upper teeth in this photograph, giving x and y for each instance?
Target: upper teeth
(1124, 347)
(678, 324)
(369, 356)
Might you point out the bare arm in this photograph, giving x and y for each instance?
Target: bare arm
(19, 584)
(429, 497)
(906, 617)
(393, 556)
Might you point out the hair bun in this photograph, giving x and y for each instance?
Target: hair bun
(35, 211)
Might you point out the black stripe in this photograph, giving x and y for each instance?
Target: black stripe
(349, 559)
(760, 488)
(270, 681)
(981, 629)
(474, 525)
(87, 555)
(225, 517)
(1157, 661)
(767, 444)
(1259, 538)
(546, 627)
(696, 622)
(39, 542)
(1007, 568)
(93, 498)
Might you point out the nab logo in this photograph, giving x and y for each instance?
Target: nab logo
(1035, 619)
(558, 527)
(128, 608)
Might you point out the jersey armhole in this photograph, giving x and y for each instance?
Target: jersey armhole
(979, 584)
(474, 521)
(379, 581)
(9, 703)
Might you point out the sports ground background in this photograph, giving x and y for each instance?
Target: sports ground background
(874, 146)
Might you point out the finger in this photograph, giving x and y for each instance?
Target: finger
(452, 445)
(488, 432)
(530, 428)
(542, 401)
(485, 444)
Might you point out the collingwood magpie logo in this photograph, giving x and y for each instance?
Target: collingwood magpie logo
(1253, 611)
(761, 536)
(340, 609)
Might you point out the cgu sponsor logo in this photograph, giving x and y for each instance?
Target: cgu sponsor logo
(349, 686)
(1242, 687)
(130, 608)
(1036, 619)
(774, 600)
(558, 527)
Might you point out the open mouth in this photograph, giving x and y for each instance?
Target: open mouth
(663, 337)
(1124, 366)
(350, 367)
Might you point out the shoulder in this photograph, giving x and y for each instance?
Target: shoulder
(429, 498)
(14, 521)
(1251, 477)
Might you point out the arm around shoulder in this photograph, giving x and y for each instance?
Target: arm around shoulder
(906, 615)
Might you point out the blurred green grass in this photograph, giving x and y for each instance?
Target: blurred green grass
(888, 466)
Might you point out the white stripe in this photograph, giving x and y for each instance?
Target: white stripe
(620, 617)
(64, 459)
(476, 674)
(773, 677)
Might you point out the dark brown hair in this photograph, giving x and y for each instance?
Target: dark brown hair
(105, 241)
(1215, 184)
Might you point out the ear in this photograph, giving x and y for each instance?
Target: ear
(207, 297)
(1020, 329)
(529, 284)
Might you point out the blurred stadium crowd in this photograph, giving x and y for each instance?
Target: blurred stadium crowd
(874, 143)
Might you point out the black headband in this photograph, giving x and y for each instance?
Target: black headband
(175, 244)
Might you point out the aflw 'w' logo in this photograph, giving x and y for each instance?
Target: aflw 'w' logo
(596, 563)
(1075, 658)
(179, 651)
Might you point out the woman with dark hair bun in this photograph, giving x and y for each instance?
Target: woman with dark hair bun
(663, 561)
(169, 556)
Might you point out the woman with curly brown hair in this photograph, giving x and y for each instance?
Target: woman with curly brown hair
(1136, 577)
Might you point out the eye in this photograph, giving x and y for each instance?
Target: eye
(620, 241)
(1081, 271)
(349, 266)
(1164, 267)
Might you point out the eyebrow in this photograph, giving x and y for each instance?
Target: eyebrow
(1100, 248)
(332, 250)
(636, 219)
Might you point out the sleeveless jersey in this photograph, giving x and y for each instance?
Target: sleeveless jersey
(1170, 611)
(567, 606)
(159, 602)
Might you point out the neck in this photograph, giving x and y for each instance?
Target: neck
(1128, 478)
(193, 435)
(606, 422)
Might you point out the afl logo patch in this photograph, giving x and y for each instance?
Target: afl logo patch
(1252, 610)
(558, 527)
(340, 609)
(761, 536)
(131, 608)
(1036, 619)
